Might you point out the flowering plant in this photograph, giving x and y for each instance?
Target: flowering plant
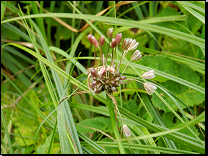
(107, 77)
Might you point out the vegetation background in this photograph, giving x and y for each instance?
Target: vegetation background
(44, 56)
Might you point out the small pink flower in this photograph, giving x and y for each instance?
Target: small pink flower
(136, 55)
(148, 75)
(149, 87)
(102, 71)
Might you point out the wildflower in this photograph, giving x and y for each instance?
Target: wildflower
(133, 45)
(126, 131)
(102, 40)
(118, 38)
(136, 55)
(126, 43)
(103, 78)
(149, 87)
(148, 75)
(110, 32)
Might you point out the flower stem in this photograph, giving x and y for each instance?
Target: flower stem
(113, 121)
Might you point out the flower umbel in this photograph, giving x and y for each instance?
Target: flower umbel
(107, 77)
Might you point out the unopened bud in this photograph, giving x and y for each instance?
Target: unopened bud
(113, 43)
(118, 38)
(114, 89)
(110, 32)
(102, 40)
(95, 42)
(94, 72)
(126, 131)
(123, 78)
(90, 38)
(136, 55)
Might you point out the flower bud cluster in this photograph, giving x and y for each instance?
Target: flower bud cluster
(104, 79)
(107, 77)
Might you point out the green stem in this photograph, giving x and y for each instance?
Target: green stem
(113, 121)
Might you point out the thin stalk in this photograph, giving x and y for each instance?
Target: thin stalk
(113, 121)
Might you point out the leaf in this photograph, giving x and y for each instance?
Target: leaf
(43, 149)
(171, 121)
(161, 63)
(193, 23)
(101, 123)
(169, 66)
(189, 96)
(26, 120)
(131, 106)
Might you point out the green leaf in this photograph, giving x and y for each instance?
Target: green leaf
(169, 66)
(194, 23)
(101, 123)
(189, 96)
(171, 121)
(25, 117)
(42, 149)
(131, 106)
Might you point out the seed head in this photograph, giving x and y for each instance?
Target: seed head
(148, 75)
(126, 131)
(110, 32)
(136, 55)
(149, 87)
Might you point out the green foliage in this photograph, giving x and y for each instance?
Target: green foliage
(100, 123)
(44, 60)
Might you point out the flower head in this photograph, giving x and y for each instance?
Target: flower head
(148, 75)
(136, 55)
(133, 45)
(126, 131)
(149, 87)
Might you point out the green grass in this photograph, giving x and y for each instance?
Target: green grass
(44, 59)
